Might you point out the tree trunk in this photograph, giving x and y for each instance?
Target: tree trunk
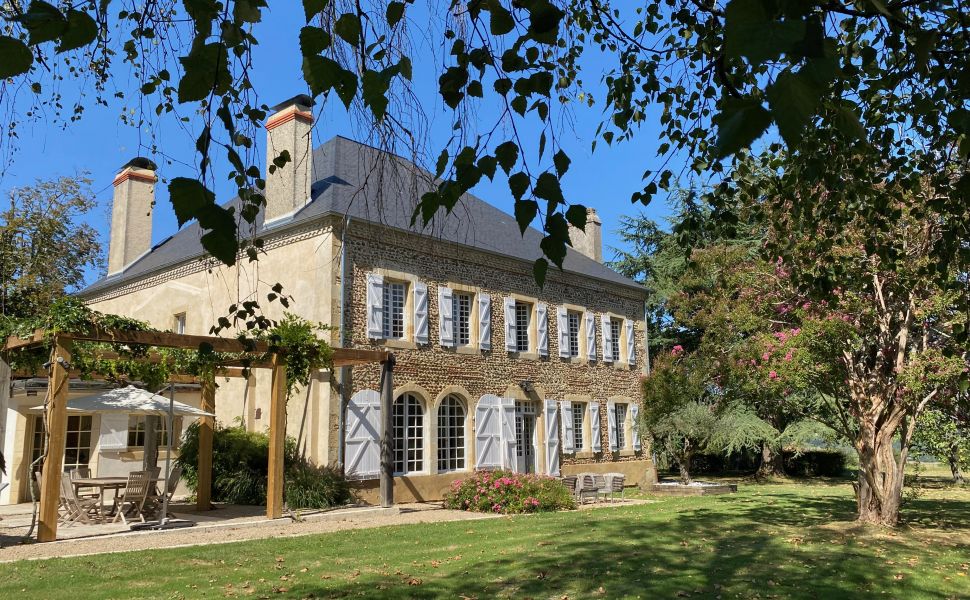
(683, 464)
(772, 463)
(879, 491)
(954, 461)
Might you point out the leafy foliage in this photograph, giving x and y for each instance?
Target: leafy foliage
(506, 492)
(240, 470)
(44, 245)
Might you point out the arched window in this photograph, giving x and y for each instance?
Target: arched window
(408, 434)
(451, 434)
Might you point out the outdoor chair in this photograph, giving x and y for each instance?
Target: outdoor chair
(613, 486)
(84, 473)
(132, 500)
(586, 488)
(154, 503)
(570, 483)
(76, 510)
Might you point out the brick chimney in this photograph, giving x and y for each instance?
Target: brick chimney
(590, 241)
(131, 214)
(289, 128)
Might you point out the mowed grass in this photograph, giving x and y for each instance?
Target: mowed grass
(782, 540)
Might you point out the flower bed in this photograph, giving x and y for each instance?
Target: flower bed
(506, 492)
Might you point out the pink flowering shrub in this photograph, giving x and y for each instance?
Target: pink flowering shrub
(507, 493)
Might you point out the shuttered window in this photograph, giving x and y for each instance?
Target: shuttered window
(579, 413)
(615, 330)
(394, 299)
(573, 324)
(461, 313)
(451, 434)
(523, 315)
(620, 425)
(408, 418)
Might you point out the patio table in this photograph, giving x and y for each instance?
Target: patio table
(105, 483)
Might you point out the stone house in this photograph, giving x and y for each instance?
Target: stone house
(492, 371)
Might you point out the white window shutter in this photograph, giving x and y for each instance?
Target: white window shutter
(510, 324)
(590, 321)
(484, 321)
(542, 328)
(507, 412)
(635, 422)
(552, 437)
(375, 306)
(114, 431)
(446, 320)
(611, 422)
(420, 313)
(631, 342)
(606, 332)
(562, 323)
(362, 435)
(566, 418)
(488, 433)
(595, 437)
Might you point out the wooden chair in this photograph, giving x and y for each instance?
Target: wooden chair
(76, 510)
(132, 500)
(154, 503)
(84, 473)
(613, 485)
(586, 488)
(570, 483)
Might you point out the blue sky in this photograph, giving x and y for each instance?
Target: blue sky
(100, 143)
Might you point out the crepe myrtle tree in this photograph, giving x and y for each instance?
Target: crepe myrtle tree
(886, 79)
(873, 337)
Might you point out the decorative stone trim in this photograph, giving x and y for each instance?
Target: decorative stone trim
(147, 177)
(287, 115)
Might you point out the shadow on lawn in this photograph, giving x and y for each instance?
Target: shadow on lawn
(697, 551)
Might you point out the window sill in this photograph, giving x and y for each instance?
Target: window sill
(574, 360)
(398, 344)
(626, 452)
(525, 355)
(467, 350)
(583, 454)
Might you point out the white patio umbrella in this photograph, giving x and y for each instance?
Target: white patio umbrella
(136, 401)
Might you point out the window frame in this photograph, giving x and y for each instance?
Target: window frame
(623, 440)
(388, 320)
(179, 322)
(420, 446)
(75, 425)
(617, 333)
(575, 336)
(469, 338)
(579, 409)
(455, 445)
(526, 331)
(139, 431)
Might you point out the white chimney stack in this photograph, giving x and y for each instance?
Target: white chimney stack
(289, 128)
(131, 214)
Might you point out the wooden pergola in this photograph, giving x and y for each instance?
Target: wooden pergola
(60, 372)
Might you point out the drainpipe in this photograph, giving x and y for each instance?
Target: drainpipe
(344, 372)
(646, 338)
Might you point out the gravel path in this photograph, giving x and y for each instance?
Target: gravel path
(351, 518)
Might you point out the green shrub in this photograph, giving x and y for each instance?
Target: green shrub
(506, 492)
(240, 464)
(815, 463)
(310, 486)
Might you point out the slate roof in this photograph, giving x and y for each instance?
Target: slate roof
(359, 181)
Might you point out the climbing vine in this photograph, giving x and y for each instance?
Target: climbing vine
(293, 337)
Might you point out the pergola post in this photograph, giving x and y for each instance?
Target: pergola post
(387, 432)
(203, 493)
(277, 437)
(57, 433)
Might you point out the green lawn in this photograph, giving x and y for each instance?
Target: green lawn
(784, 540)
